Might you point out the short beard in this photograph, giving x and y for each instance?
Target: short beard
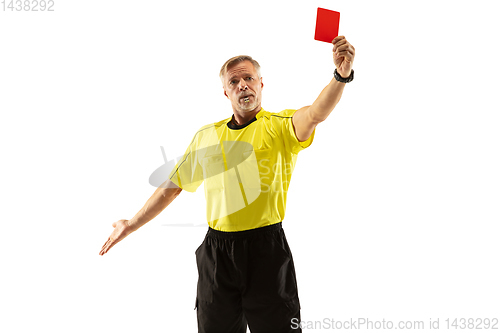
(248, 106)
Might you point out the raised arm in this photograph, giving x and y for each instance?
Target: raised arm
(305, 119)
(160, 199)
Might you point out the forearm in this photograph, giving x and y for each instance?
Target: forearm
(326, 101)
(160, 199)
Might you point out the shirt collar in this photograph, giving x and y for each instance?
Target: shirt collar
(259, 115)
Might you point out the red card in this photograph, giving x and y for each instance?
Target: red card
(327, 25)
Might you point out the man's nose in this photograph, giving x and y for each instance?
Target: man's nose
(243, 85)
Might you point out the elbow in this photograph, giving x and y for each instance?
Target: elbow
(314, 116)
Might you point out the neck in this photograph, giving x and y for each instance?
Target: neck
(242, 117)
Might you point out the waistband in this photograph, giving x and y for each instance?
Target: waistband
(245, 233)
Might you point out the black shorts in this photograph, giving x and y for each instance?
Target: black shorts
(246, 277)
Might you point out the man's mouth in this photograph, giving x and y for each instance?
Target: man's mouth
(246, 99)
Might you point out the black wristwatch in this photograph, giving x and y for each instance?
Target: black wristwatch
(339, 78)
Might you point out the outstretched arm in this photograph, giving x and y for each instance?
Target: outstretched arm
(162, 197)
(305, 119)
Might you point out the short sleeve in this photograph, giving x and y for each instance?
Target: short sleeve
(290, 138)
(188, 173)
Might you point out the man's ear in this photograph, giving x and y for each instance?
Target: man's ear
(261, 83)
(225, 93)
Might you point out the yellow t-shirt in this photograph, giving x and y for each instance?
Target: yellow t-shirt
(246, 169)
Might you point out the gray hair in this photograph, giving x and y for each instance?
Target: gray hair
(238, 59)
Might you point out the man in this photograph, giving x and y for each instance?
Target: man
(245, 266)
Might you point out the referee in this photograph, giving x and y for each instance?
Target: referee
(246, 275)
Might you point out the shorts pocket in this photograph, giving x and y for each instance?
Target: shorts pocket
(281, 244)
(293, 306)
(206, 269)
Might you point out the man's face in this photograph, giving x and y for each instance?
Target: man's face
(243, 87)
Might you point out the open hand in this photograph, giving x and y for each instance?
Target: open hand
(343, 55)
(122, 230)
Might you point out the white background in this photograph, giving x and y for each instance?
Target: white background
(393, 212)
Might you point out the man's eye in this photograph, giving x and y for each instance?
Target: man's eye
(249, 78)
(232, 82)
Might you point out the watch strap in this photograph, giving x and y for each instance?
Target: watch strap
(339, 78)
